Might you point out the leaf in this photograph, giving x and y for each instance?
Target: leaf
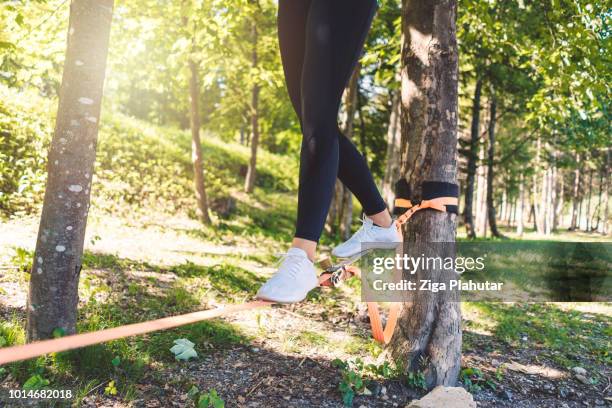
(116, 361)
(35, 382)
(58, 332)
(183, 349)
(347, 397)
(204, 401)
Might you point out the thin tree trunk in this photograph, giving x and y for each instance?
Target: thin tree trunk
(575, 195)
(481, 195)
(521, 210)
(249, 183)
(350, 103)
(428, 336)
(588, 208)
(538, 220)
(196, 145)
(54, 278)
(490, 172)
(472, 158)
(558, 216)
(392, 168)
(604, 204)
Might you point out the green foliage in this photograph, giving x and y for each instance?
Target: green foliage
(205, 399)
(110, 389)
(35, 382)
(474, 379)
(416, 380)
(353, 377)
(24, 139)
(23, 259)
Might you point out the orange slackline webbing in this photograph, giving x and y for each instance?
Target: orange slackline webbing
(382, 335)
(23, 352)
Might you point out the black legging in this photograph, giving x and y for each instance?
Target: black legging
(320, 43)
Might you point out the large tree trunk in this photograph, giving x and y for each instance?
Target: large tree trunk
(54, 279)
(468, 213)
(249, 183)
(428, 336)
(196, 145)
(392, 168)
(576, 195)
(490, 173)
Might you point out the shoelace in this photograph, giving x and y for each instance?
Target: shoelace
(295, 266)
(363, 230)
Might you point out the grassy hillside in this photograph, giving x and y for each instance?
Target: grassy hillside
(138, 164)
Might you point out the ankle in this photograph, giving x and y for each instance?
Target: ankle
(382, 219)
(310, 247)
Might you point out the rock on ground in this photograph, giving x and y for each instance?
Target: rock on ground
(445, 397)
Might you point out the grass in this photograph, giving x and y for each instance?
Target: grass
(567, 337)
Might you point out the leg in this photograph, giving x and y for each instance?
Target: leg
(319, 153)
(350, 31)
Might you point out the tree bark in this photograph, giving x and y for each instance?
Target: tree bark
(392, 168)
(490, 172)
(468, 213)
(196, 144)
(54, 279)
(249, 183)
(428, 336)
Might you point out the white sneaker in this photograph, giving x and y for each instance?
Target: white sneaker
(373, 236)
(295, 277)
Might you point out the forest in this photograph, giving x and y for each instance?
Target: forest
(171, 123)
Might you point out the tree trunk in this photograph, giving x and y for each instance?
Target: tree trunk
(249, 183)
(490, 173)
(604, 204)
(196, 145)
(560, 187)
(521, 207)
(54, 278)
(538, 220)
(575, 195)
(588, 208)
(468, 213)
(428, 336)
(392, 168)
(481, 202)
(350, 104)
